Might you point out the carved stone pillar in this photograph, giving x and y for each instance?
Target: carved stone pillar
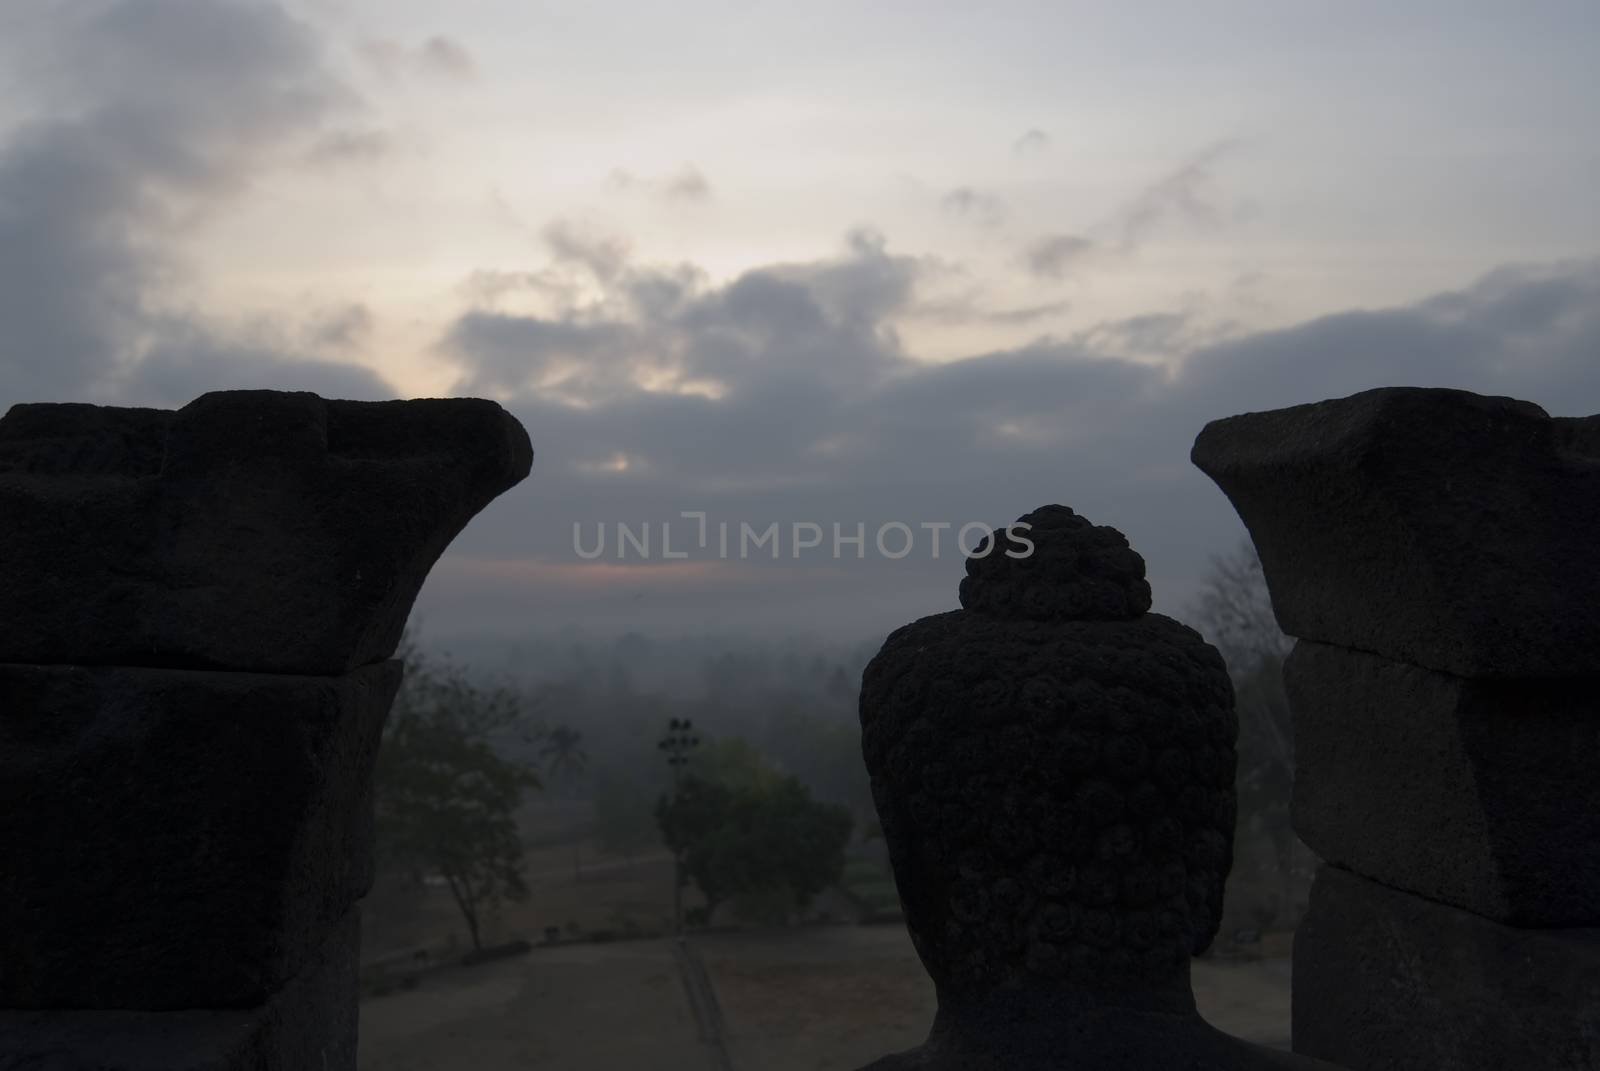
(1437, 554)
(1053, 766)
(198, 611)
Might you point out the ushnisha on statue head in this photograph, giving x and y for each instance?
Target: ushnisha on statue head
(1053, 766)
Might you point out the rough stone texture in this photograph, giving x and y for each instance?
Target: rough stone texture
(1388, 981)
(195, 612)
(309, 1025)
(1102, 1040)
(1480, 794)
(1071, 570)
(1381, 517)
(177, 838)
(1057, 797)
(1054, 777)
(253, 530)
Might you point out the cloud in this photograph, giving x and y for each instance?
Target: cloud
(1526, 331)
(1188, 194)
(339, 147)
(820, 414)
(342, 328)
(488, 288)
(971, 308)
(686, 185)
(568, 357)
(1158, 336)
(439, 58)
(662, 330)
(1055, 255)
(1031, 143)
(446, 58)
(984, 209)
(189, 360)
(157, 114)
(572, 243)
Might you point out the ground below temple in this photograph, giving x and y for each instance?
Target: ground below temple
(814, 998)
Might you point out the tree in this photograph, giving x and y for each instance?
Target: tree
(689, 818)
(762, 838)
(1234, 612)
(562, 749)
(842, 688)
(798, 842)
(446, 801)
(622, 811)
(563, 752)
(735, 763)
(824, 752)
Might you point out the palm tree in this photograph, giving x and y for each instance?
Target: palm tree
(563, 750)
(564, 757)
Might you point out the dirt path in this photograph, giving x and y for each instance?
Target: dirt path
(815, 998)
(703, 999)
(834, 998)
(818, 998)
(616, 1007)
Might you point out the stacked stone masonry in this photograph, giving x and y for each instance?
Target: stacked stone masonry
(1437, 555)
(198, 611)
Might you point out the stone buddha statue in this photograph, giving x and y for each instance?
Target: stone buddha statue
(1053, 766)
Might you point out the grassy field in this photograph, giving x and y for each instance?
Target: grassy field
(570, 1007)
(814, 998)
(805, 998)
(573, 885)
(870, 884)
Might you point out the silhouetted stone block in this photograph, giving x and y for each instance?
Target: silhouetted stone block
(1053, 768)
(1388, 981)
(254, 530)
(309, 1025)
(1481, 794)
(1435, 527)
(175, 838)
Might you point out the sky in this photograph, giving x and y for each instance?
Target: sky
(827, 264)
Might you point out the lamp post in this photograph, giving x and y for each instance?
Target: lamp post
(679, 741)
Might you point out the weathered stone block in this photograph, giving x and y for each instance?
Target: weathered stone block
(1388, 981)
(1481, 794)
(254, 530)
(1435, 527)
(309, 1025)
(178, 839)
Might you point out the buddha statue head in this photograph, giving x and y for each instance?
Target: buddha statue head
(1053, 768)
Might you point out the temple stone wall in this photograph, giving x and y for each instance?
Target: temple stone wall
(198, 611)
(1437, 555)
